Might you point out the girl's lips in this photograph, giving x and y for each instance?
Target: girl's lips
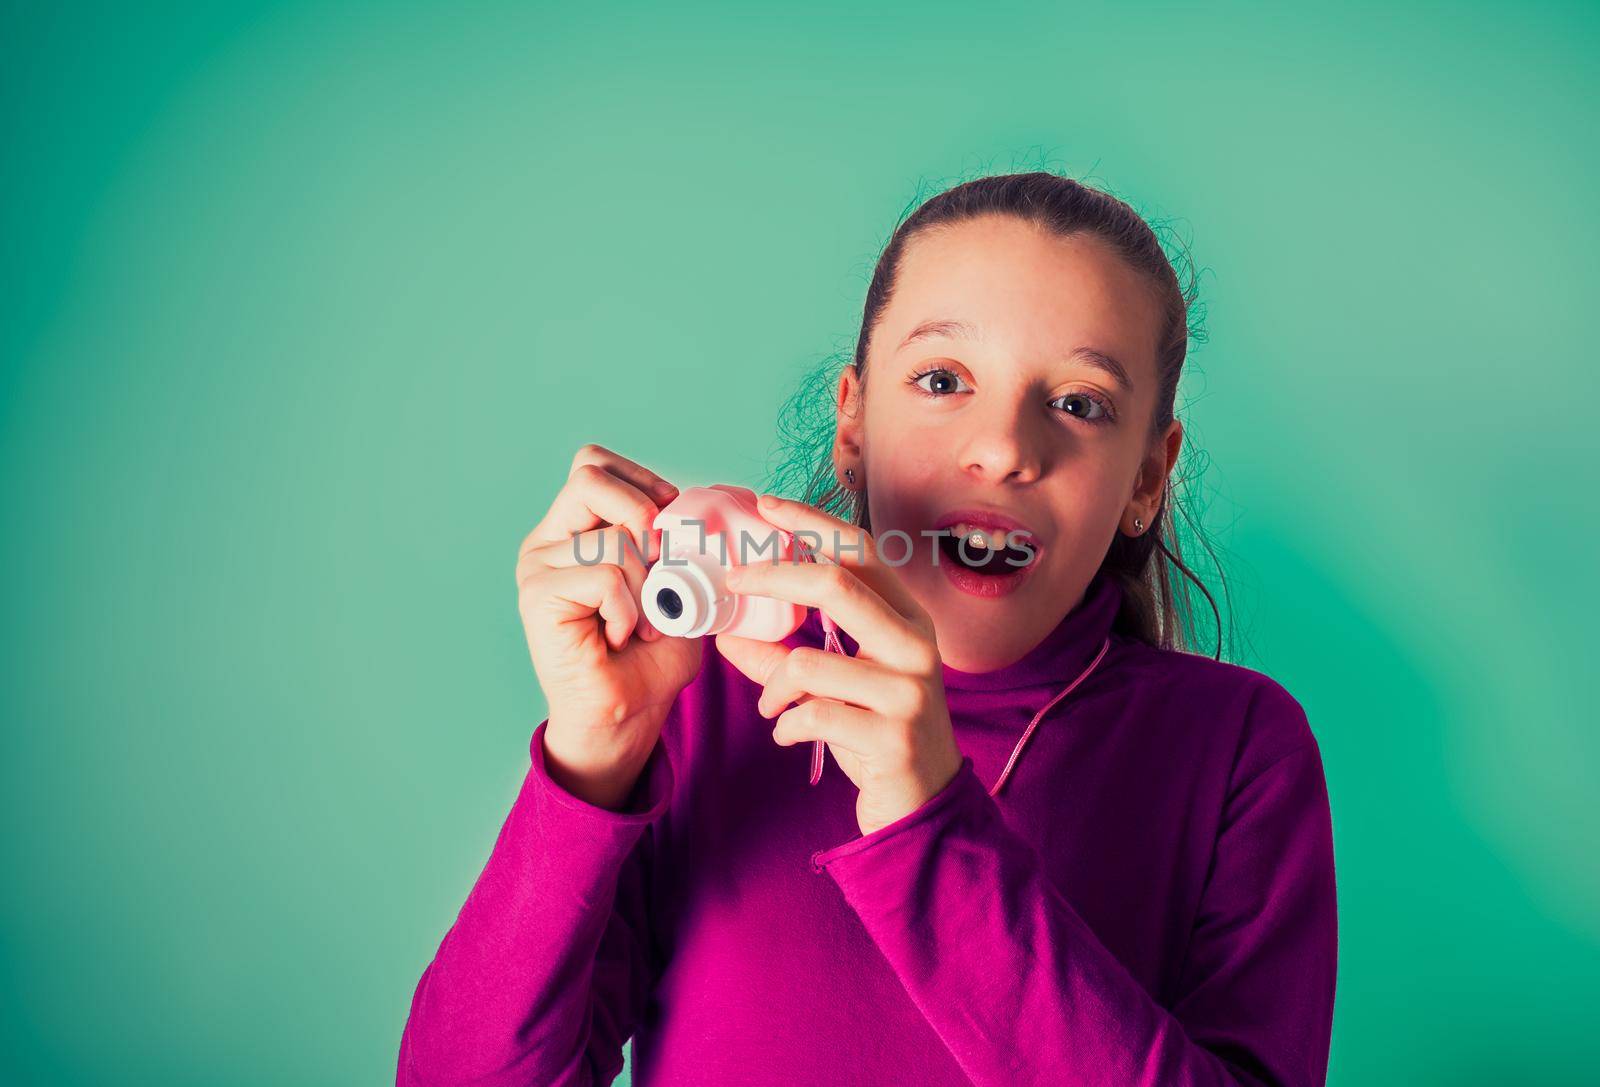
(1008, 580)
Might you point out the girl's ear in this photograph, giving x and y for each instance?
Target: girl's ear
(848, 436)
(1153, 473)
(849, 396)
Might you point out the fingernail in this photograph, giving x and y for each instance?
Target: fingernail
(665, 490)
(767, 500)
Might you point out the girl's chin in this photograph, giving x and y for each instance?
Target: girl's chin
(978, 632)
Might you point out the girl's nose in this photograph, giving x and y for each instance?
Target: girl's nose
(1002, 448)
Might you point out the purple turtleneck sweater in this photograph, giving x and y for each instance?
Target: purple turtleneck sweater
(1148, 900)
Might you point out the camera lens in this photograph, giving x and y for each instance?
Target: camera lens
(670, 603)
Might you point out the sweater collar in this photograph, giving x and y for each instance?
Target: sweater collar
(1062, 653)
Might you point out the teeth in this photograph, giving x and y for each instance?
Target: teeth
(975, 536)
(980, 537)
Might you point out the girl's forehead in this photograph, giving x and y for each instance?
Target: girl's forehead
(1006, 259)
(1015, 286)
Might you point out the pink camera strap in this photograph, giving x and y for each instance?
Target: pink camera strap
(830, 643)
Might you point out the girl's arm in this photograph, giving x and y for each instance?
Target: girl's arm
(1021, 990)
(543, 975)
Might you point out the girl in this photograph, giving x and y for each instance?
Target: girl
(1054, 847)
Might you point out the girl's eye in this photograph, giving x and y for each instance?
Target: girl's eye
(1091, 409)
(939, 381)
(946, 378)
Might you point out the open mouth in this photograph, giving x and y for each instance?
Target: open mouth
(984, 552)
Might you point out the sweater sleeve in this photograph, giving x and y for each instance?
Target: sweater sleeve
(1022, 992)
(543, 975)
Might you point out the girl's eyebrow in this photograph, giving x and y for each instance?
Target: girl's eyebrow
(963, 330)
(951, 330)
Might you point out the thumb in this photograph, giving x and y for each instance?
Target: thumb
(755, 658)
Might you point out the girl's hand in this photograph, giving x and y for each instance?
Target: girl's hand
(609, 676)
(882, 712)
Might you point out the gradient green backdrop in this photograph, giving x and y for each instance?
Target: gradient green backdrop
(306, 310)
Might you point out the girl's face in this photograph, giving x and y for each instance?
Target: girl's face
(1011, 376)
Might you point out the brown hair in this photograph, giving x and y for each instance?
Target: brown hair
(1156, 608)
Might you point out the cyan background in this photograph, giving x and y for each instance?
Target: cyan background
(306, 309)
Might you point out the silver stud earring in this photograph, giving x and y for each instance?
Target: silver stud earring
(850, 476)
(1138, 526)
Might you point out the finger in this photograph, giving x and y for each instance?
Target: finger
(592, 497)
(757, 659)
(850, 728)
(880, 632)
(843, 543)
(816, 673)
(611, 545)
(630, 470)
(569, 599)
